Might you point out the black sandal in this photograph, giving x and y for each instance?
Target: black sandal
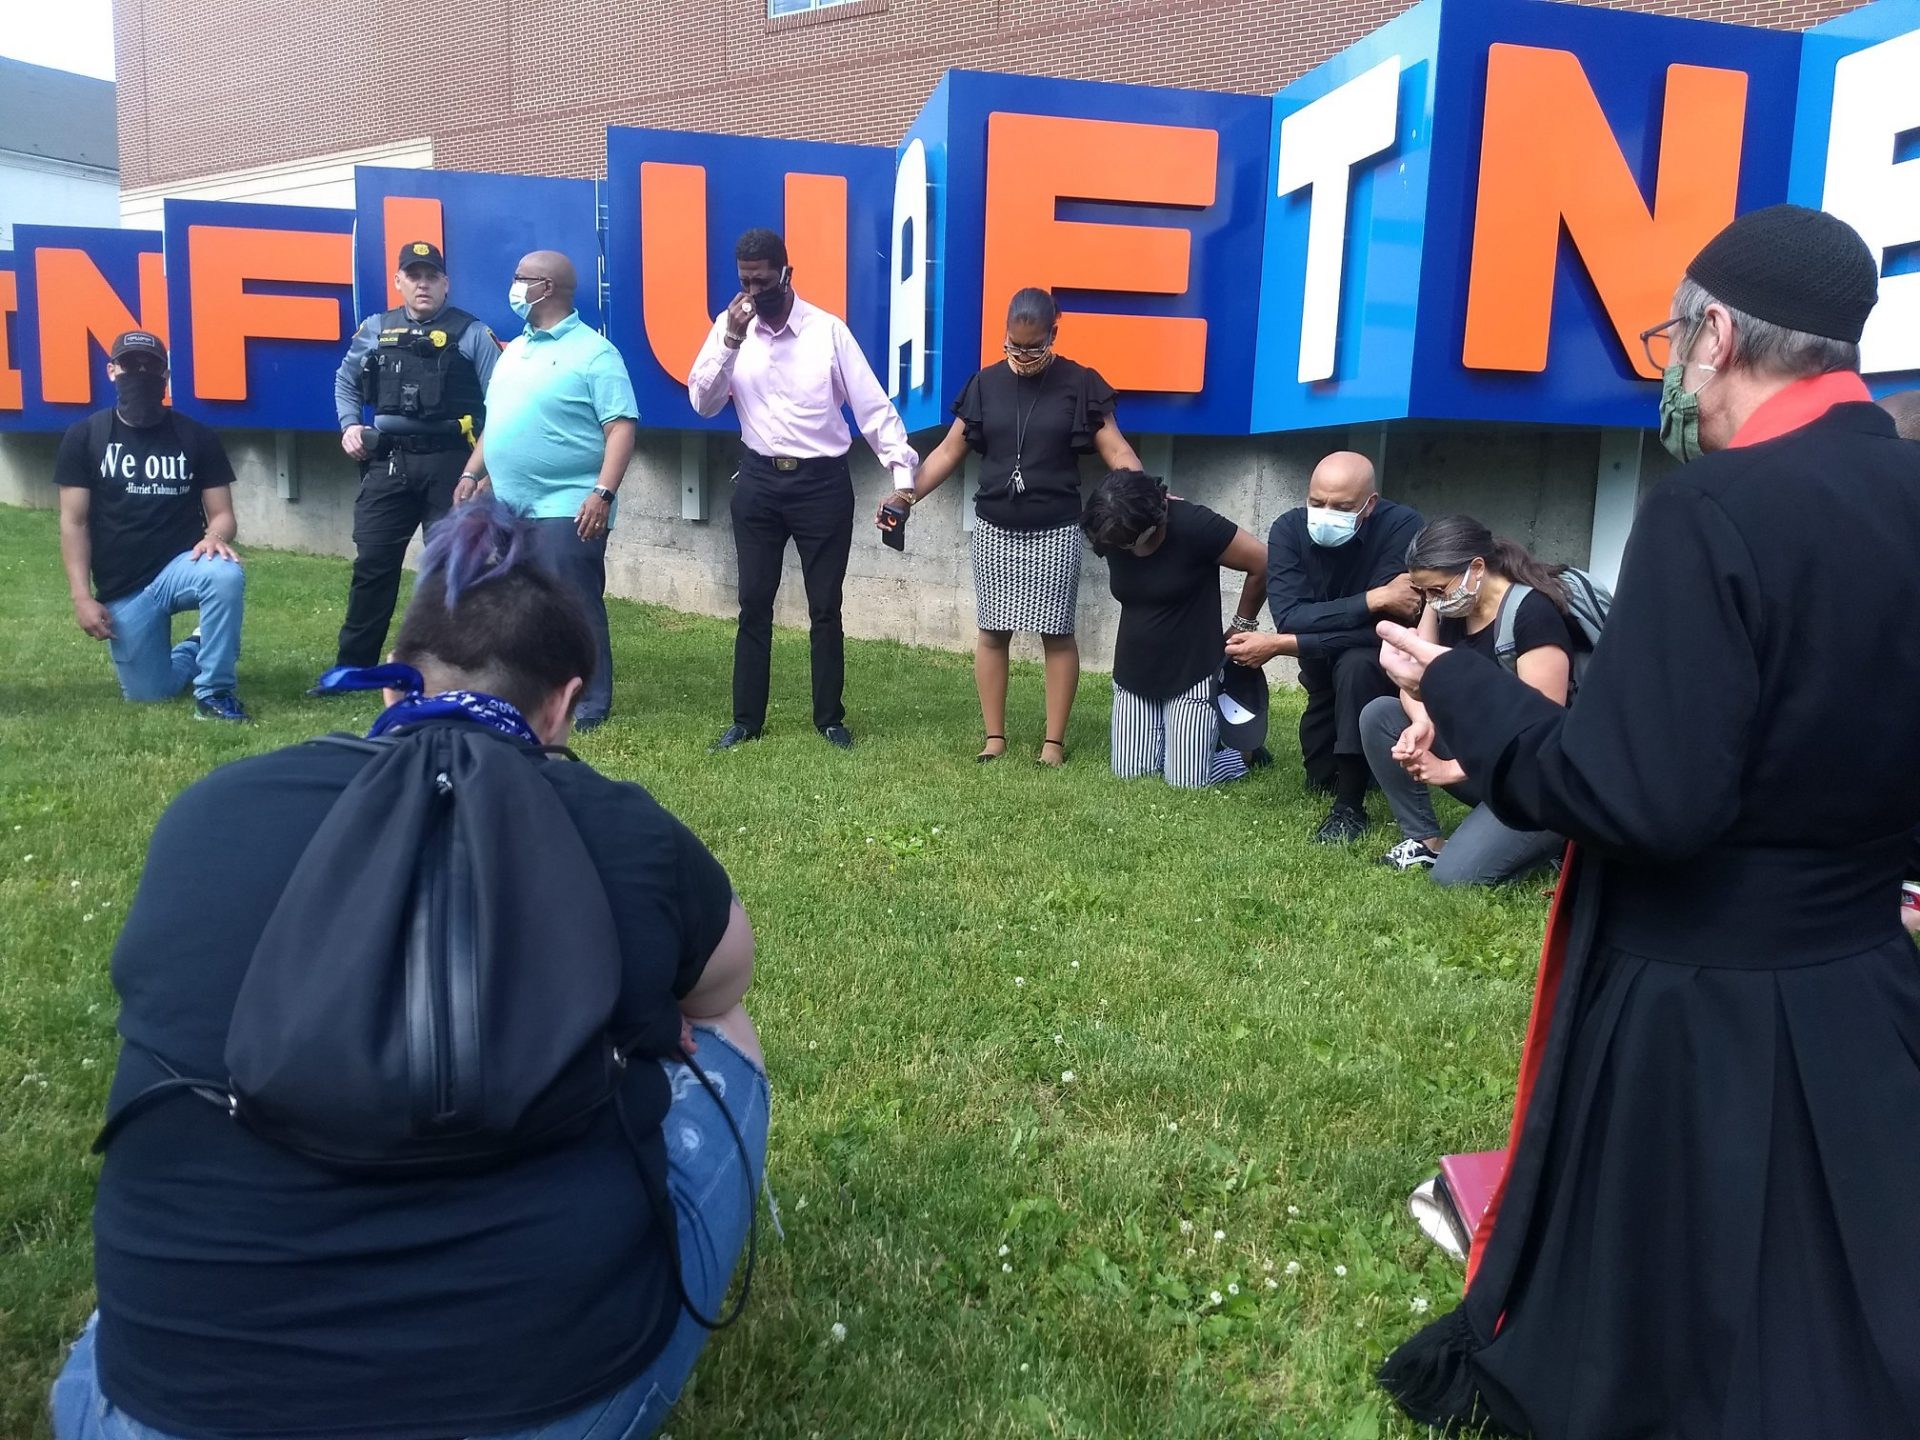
(985, 756)
(1060, 745)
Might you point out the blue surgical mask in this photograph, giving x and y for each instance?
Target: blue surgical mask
(1331, 527)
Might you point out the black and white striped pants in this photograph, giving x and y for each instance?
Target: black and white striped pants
(1177, 738)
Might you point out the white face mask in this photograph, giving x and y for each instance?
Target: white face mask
(1331, 527)
(517, 298)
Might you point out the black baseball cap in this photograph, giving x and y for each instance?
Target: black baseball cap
(1242, 703)
(421, 252)
(138, 342)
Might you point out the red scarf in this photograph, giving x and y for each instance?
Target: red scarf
(1801, 403)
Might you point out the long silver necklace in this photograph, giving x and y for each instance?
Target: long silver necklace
(1017, 482)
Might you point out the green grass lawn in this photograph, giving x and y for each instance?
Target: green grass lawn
(1055, 1057)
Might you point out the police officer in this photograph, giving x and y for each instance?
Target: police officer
(423, 369)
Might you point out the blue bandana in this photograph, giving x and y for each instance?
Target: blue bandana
(416, 706)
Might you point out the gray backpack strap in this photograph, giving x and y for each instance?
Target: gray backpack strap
(1503, 642)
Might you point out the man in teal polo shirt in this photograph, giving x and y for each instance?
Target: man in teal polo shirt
(560, 426)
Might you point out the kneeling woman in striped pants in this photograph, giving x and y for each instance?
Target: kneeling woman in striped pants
(1164, 558)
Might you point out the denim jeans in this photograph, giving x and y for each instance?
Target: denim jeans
(150, 669)
(581, 566)
(715, 1202)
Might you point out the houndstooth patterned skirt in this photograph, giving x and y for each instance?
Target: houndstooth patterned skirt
(1026, 580)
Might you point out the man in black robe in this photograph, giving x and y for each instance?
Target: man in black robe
(1710, 1224)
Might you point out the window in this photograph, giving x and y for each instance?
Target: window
(777, 8)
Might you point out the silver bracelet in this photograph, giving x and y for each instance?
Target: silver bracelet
(1242, 624)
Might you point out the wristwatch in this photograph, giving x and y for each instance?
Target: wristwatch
(603, 493)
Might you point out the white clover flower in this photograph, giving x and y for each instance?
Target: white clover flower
(1218, 1236)
(936, 830)
(1019, 979)
(1186, 1227)
(869, 839)
(88, 1063)
(1059, 1039)
(1293, 1209)
(813, 1044)
(1005, 1268)
(1066, 1077)
(1213, 1297)
(1420, 1305)
(1293, 1267)
(1272, 1284)
(1233, 1289)
(1024, 1367)
(1266, 1265)
(801, 1203)
(1004, 1250)
(1076, 964)
(1341, 1271)
(839, 1332)
(25, 858)
(1190, 1252)
(1172, 1126)
(73, 884)
(742, 830)
(86, 917)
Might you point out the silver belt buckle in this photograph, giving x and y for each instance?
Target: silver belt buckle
(785, 462)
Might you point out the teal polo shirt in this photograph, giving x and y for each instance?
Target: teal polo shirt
(551, 395)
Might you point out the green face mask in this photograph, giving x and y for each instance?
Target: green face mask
(1679, 415)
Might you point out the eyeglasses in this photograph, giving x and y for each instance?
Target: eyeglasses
(1431, 593)
(1026, 352)
(520, 279)
(1658, 342)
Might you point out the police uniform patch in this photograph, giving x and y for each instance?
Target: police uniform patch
(420, 248)
(439, 338)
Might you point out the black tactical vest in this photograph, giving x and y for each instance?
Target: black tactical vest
(415, 370)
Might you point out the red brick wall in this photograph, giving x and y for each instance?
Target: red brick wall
(530, 85)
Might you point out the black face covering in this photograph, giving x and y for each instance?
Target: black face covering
(138, 396)
(771, 301)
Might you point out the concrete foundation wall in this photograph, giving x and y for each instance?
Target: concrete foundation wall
(1536, 486)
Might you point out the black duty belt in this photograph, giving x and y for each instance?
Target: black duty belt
(422, 444)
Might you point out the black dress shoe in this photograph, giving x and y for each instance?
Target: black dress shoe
(838, 736)
(734, 735)
(1343, 826)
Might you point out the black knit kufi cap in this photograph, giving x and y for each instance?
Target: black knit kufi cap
(1802, 269)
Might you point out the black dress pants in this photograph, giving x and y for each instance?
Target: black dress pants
(1338, 688)
(401, 492)
(812, 505)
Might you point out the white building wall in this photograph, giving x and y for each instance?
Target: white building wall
(38, 191)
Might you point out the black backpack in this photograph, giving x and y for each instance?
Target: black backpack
(389, 1023)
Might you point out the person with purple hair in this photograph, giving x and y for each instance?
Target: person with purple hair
(244, 1288)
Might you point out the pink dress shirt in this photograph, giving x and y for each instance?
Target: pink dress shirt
(788, 386)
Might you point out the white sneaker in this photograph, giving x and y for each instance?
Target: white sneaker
(1411, 855)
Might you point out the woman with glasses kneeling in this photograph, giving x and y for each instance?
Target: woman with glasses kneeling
(1164, 558)
(1466, 575)
(1030, 418)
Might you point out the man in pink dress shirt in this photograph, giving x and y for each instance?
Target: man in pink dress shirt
(789, 369)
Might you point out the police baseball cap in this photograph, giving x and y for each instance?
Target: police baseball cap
(421, 252)
(138, 342)
(1242, 703)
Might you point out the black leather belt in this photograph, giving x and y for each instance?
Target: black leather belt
(801, 465)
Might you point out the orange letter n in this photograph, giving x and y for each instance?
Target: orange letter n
(77, 305)
(1035, 161)
(221, 260)
(1547, 155)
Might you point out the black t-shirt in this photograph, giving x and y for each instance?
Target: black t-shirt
(1170, 634)
(246, 1292)
(1045, 423)
(146, 485)
(1536, 624)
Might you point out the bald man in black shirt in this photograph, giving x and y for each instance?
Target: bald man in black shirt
(1335, 567)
